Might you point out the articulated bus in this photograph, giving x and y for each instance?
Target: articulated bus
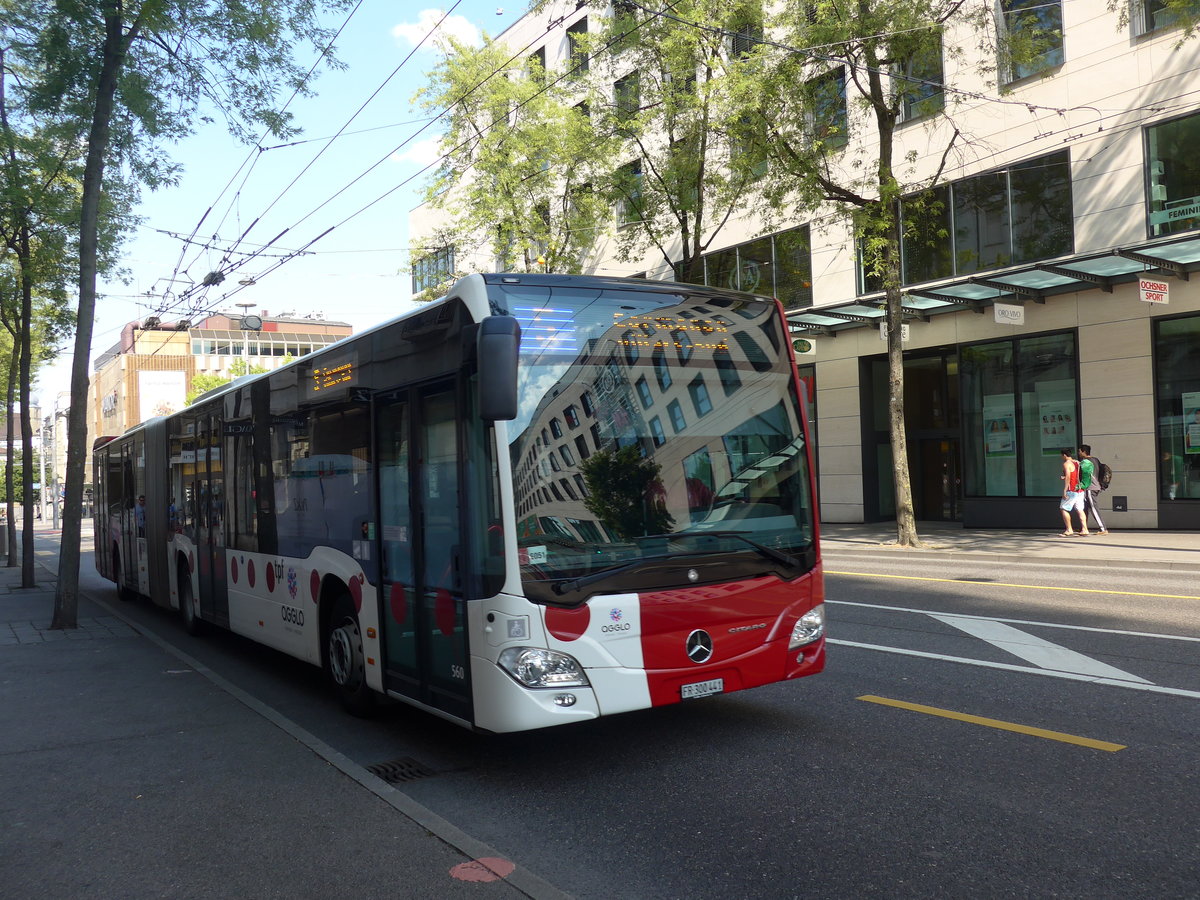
(538, 500)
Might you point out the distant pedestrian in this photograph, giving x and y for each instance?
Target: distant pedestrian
(139, 515)
(1072, 497)
(1089, 483)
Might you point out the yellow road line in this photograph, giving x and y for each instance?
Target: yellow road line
(1035, 587)
(996, 723)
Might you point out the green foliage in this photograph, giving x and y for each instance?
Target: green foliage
(521, 163)
(625, 492)
(203, 383)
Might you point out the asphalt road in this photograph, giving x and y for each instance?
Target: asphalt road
(961, 742)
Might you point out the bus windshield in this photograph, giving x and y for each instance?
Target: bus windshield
(657, 424)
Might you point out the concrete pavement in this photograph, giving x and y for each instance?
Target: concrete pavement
(1177, 551)
(128, 770)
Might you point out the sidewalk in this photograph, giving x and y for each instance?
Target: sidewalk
(1177, 551)
(127, 770)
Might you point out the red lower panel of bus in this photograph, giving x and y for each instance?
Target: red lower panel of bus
(735, 632)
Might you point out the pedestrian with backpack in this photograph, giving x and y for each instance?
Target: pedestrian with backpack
(1072, 498)
(1091, 485)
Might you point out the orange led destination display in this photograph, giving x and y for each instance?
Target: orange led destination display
(336, 375)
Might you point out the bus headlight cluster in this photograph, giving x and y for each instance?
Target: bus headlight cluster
(538, 668)
(809, 627)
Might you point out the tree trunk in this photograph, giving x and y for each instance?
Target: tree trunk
(906, 522)
(25, 341)
(10, 526)
(66, 597)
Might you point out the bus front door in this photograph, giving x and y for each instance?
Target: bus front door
(423, 616)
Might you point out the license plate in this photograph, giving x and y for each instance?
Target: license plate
(703, 688)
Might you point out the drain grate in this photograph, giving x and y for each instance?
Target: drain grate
(400, 770)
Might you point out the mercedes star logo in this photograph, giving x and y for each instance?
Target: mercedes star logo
(699, 646)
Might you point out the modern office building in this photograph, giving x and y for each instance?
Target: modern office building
(1056, 306)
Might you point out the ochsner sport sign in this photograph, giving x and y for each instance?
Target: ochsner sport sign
(1152, 290)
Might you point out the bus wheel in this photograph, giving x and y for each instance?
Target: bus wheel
(192, 623)
(123, 593)
(344, 659)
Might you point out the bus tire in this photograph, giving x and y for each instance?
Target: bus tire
(192, 623)
(123, 593)
(344, 658)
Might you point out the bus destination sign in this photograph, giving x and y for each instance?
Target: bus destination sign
(338, 375)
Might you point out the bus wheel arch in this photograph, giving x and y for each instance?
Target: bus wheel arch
(342, 654)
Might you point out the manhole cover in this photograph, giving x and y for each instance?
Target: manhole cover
(399, 770)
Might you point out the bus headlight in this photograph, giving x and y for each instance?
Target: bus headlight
(537, 668)
(809, 627)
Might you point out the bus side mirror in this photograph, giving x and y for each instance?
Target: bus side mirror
(498, 341)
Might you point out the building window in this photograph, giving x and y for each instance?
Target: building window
(627, 94)
(535, 65)
(744, 33)
(577, 52)
(827, 120)
(662, 369)
(675, 411)
(1177, 406)
(565, 452)
(644, 393)
(920, 88)
(1152, 15)
(1174, 175)
(1016, 215)
(1019, 409)
(630, 340)
(556, 428)
(629, 193)
(779, 265)
(684, 346)
(1034, 36)
(730, 381)
(624, 25)
(656, 431)
(432, 270)
(700, 399)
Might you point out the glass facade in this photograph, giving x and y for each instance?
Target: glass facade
(1177, 407)
(1174, 169)
(1016, 215)
(1020, 408)
(779, 265)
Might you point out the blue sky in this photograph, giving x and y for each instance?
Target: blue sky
(355, 273)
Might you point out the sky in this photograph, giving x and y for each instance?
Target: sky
(361, 185)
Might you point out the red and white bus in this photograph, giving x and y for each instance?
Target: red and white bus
(538, 500)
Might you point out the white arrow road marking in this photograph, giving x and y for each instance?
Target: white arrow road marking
(1035, 650)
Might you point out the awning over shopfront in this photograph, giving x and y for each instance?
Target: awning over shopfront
(1033, 282)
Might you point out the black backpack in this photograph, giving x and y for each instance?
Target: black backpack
(1101, 474)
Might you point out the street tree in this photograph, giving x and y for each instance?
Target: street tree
(668, 91)
(39, 204)
(520, 168)
(133, 75)
(835, 84)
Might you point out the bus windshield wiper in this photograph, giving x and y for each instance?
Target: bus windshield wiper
(574, 584)
(770, 552)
